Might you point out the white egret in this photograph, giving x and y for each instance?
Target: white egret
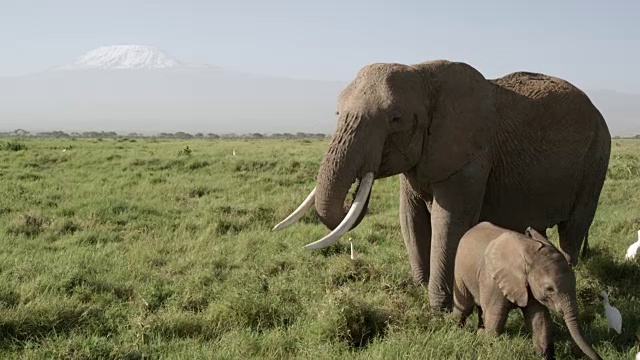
(353, 254)
(633, 249)
(614, 319)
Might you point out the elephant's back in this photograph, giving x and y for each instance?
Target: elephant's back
(475, 240)
(545, 142)
(534, 85)
(542, 101)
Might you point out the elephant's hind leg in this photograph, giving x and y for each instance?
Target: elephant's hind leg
(480, 321)
(574, 232)
(585, 247)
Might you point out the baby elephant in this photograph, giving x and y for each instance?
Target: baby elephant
(497, 270)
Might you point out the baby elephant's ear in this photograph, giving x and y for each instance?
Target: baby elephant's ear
(533, 234)
(505, 263)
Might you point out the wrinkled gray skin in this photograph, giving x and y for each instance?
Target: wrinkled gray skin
(468, 149)
(497, 270)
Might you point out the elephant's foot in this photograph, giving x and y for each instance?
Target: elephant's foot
(442, 306)
(440, 300)
(460, 314)
(549, 353)
(420, 277)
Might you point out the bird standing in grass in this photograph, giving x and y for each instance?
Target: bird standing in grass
(353, 254)
(614, 319)
(633, 249)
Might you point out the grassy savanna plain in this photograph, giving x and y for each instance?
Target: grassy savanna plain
(145, 248)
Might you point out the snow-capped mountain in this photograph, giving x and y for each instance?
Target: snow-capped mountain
(126, 57)
(141, 88)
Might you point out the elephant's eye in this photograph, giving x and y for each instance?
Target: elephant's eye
(549, 289)
(395, 116)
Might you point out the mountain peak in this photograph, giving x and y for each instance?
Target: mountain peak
(125, 57)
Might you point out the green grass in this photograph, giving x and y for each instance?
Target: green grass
(134, 249)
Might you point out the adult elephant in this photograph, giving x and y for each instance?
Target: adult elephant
(523, 150)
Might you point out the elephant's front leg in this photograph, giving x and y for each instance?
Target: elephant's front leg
(456, 207)
(538, 321)
(495, 318)
(415, 223)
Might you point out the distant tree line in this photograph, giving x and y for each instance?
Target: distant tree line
(182, 135)
(627, 137)
(163, 135)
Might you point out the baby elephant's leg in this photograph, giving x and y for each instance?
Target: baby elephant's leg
(495, 318)
(538, 321)
(495, 309)
(463, 302)
(480, 321)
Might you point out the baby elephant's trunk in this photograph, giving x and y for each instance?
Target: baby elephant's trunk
(569, 311)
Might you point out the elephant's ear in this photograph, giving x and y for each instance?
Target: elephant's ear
(463, 117)
(535, 235)
(506, 263)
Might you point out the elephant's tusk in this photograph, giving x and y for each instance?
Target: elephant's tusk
(297, 213)
(350, 219)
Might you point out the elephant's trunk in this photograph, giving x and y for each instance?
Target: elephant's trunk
(340, 167)
(569, 311)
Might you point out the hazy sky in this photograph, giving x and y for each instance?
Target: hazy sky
(591, 43)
